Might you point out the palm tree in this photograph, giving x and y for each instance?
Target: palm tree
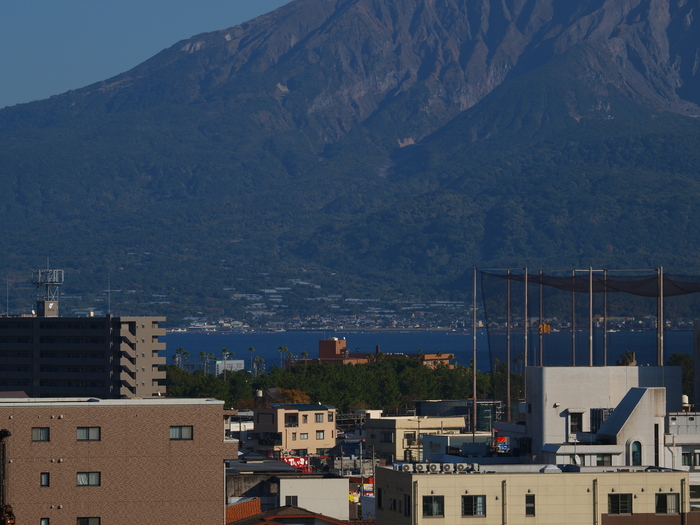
(203, 357)
(180, 357)
(282, 350)
(211, 357)
(251, 350)
(224, 355)
(259, 366)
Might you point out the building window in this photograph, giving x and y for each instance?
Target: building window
(88, 433)
(433, 505)
(386, 437)
(619, 503)
(320, 434)
(473, 505)
(87, 521)
(181, 433)
(294, 436)
(291, 500)
(667, 503)
(636, 454)
(410, 438)
(89, 479)
(319, 418)
(687, 459)
(303, 435)
(529, 504)
(304, 418)
(41, 434)
(380, 497)
(406, 505)
(330, 417)
(575, 422)
(44, 521)
(603, 460)
(44, 479)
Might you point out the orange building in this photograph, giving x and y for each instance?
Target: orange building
(335, 350)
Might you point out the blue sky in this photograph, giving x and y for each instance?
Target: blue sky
(52, 46)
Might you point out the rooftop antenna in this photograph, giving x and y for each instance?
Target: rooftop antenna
(47, 283)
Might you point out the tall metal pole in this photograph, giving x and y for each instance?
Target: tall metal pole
(590, 316)
(660, 320)
(508, 407)
(525, 330)
(541, 327)
(605, 318)
(474, 361)
(573, 317)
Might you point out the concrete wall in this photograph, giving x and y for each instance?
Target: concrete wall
(553, 393)
(328, 496)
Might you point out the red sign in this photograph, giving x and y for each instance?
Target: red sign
(298, 462)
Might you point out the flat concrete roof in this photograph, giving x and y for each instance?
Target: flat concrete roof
(93, 401)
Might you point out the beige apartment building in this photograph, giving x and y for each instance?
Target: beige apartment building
(449, 494)
(87, 461)
(398, 439)
(103, 357)
(294, 429)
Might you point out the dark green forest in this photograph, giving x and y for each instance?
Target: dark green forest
(390, 384)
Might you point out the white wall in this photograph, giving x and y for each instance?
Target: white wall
(552, 392)
(328, 496)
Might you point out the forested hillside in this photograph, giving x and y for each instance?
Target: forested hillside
(369, 148)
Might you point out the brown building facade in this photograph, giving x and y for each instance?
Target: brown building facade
(105, 357)
(104, 462)
(294, 429)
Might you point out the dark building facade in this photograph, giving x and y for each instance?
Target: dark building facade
(102, 357)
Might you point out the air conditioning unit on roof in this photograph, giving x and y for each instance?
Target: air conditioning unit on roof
(462, 467)
(407, 467)
(434, 467)
(448, 467)
(421, 467)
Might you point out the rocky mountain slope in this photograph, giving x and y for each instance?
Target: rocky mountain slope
(378, 144)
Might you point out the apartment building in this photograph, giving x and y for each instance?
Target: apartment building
(294, 429)
(87, 461)
(442, 494)
(397, 439)
(103, 357)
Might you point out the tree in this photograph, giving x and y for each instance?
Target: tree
(687, 364)
(180, 357)
(282, 350)
(251, 350)
(627, 358)
(224, 355)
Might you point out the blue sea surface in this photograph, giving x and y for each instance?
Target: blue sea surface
(556, 346)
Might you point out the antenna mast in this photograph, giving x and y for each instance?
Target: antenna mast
(47, 283)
